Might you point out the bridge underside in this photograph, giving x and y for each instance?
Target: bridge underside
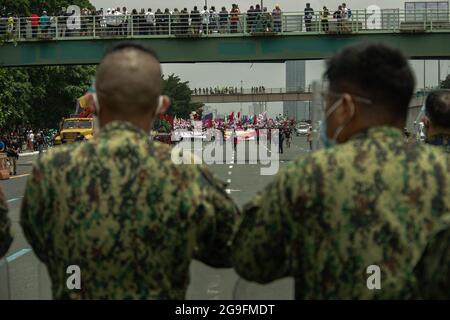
(277, 48)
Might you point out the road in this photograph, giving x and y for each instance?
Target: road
(22, 276)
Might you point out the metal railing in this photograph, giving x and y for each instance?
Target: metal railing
(217, 25)
(245, 91)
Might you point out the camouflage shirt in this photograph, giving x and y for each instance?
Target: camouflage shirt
(442, 140)
(329, 216)
(5, 226)
(122, 211)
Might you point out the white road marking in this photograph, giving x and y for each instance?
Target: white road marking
(231, 167)
(14, 199)
(229, 173)
(228, 180)
(17, 255)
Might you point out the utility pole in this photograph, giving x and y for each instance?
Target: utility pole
(439, 73)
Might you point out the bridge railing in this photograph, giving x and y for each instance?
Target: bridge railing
(190, 25)
(246, 91)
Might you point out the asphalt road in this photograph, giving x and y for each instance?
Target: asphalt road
(22, 276)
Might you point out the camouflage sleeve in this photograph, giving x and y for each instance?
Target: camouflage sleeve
(261, 244)
(33, 216)
(433, 270)
(218, 215)
(5, 226)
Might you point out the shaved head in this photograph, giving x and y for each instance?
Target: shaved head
(128, 81)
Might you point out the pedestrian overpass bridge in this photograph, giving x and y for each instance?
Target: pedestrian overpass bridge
(420, 35)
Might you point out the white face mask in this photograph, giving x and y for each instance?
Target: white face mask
(97, 112)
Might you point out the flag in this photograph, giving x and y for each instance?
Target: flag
(231, 118)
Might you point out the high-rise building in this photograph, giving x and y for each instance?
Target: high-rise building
(296, 80)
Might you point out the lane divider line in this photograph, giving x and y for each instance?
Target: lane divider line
(14, 199)
(20, 176)
(17, 255)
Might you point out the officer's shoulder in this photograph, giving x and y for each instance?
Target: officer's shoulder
(62, 155)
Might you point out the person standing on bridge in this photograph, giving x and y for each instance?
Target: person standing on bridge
(5, 226)
(309, 14)
(118, 206)
(366, 202)
(437, 119)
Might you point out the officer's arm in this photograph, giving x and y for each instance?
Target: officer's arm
(218, 214)
(5, 225)
(32, 216)
(433, 270)
(261, 245)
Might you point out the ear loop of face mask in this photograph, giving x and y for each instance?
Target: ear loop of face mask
(342, 126)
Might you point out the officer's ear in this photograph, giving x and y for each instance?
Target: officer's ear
(426, 122)
(164, 104)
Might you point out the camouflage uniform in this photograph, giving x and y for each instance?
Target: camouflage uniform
(126, 215)
(5, 225)
(371, 201)
(442, 140)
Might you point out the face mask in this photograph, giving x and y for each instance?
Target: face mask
(326, 141)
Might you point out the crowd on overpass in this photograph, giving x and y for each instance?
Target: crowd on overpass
(226, 90)
(123, 22)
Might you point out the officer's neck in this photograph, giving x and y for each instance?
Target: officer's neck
(142, 122)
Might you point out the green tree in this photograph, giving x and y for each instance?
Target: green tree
(15, 96)
(26, 7)
(55, 91)
(446, 83)
(180, 94)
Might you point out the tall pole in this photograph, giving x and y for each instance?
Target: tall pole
(424, 75)
(439, 73)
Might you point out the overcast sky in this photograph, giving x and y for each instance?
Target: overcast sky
(268, 75)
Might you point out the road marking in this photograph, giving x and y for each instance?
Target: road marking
(231, 167)
(231, 190)
(17, 255)
(229, 173)
(266, 148)
(228, 180)
(20, 176)
(15, 199)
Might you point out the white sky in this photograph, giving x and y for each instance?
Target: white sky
(269, 75)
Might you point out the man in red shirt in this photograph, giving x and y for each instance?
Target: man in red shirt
(34, 25)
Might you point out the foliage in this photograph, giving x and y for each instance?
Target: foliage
(446, 83)
(27, 7)
(41, 96)
(180, 93)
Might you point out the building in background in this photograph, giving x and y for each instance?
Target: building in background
(295, 80)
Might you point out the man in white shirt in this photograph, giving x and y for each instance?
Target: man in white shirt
(205, 19)
(150, 19)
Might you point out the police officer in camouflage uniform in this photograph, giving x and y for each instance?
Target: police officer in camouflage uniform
(367, 200)
(437, 119)
(5, 225)
(118, 207)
